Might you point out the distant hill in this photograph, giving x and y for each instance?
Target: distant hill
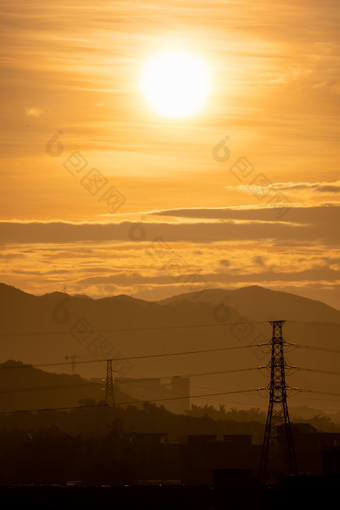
(45, 329)
(258, 303)
(24, 387)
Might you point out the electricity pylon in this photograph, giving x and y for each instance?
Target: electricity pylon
(109, 398)
(278, 453)
(73, 362)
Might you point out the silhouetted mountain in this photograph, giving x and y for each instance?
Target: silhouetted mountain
(258, 303)
(45, 329)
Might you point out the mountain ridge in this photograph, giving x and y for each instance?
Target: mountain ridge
(138, 335)
(214, 295)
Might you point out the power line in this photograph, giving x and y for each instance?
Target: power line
(197, 374)
(179, 353)
(315, 398)
(145, 356)
(302, 346)
(153, 328)
(304, 369)
(47, 388)
(127, 403)
(319, 392)
(144, 328)
(317, 370)
(218, 372)
(134, 380)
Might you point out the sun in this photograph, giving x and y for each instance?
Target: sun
(176, 83)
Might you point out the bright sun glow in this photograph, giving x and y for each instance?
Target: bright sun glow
(176, 83)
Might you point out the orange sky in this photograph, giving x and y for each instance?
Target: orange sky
(74, 67)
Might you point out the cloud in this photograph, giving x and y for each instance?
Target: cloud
(317, 187)
(293, 187)
(302, 225)
(134, 267)
(224, 262)
(259, 260)
(298, 215)
(33, 112)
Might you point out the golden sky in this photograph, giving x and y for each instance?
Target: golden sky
(74, 68)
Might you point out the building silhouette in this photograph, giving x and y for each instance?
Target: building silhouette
(176, 389)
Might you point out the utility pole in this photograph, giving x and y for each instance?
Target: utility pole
(109, 398)
(278, 452)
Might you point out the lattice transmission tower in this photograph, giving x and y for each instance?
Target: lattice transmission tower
(109, 398)
(278, 453)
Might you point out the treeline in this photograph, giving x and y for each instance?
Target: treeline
(93, 420)
(221, 413)
(320, 422)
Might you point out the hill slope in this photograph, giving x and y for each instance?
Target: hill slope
(24, 387)
(258, 303)
(45, 329)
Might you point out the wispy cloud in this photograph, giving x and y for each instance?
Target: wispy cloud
(224, 246)
(295, 187)
(192, 225)
(33, 111)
